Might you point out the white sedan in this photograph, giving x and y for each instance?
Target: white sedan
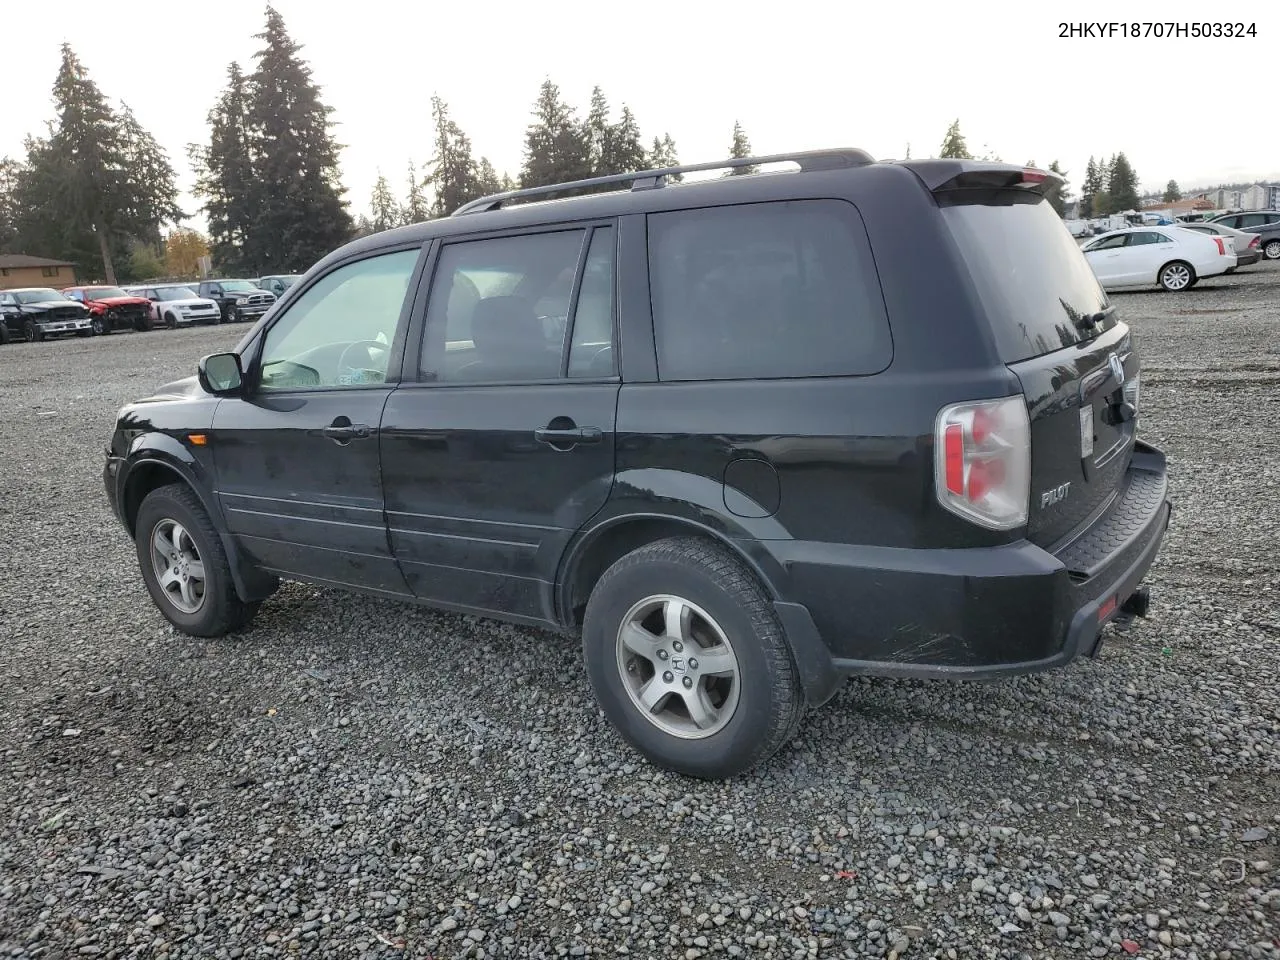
(1173, 257)
(175, 304)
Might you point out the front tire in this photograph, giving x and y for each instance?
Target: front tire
(1271, 249)
(184, 564)
(688, 661)
(171, 321)
(99, 326)
(1177, 276)
(31, 333)
(235, 315)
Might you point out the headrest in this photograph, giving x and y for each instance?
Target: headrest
(506, 325)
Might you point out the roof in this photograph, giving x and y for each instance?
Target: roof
(10, 261)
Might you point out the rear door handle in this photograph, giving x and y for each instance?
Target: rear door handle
(561, 436)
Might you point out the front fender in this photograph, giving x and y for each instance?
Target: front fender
(156, 459)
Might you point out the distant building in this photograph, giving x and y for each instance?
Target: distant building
(1260, 196)
(19, 270)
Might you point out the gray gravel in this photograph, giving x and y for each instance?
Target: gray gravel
(362, 778)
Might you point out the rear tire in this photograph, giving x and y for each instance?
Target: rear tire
(711, 720)
(174, 515)
(1177, 276)
(98, 327)
(1271, 249)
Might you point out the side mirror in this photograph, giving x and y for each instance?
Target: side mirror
(220, 374)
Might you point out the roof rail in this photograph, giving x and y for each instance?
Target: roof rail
(808, 161)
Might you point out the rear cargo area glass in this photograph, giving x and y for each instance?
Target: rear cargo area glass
(1033, 281)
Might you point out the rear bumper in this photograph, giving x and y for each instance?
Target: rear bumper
(972, 613)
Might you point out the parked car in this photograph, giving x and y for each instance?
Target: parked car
(237, 299)
(278, 283)
(175, 305)
(1265, 223)
(34, 313)
(570, 414)
(112, 309)
(1248, 246)
(1173, 257)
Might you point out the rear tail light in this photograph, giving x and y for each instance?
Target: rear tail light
(982, 461)
(1131, 391)
(1222, 247)
(1254, 242)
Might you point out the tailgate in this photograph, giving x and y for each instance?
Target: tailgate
(1054, 327)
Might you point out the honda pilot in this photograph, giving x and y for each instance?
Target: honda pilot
(742, 436)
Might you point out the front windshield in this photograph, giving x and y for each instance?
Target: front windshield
(104, 293)
(175, 293)
(238, 286)
(42, 295)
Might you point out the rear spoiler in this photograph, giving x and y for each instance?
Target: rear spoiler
(950, 176)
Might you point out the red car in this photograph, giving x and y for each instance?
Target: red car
(111, 309)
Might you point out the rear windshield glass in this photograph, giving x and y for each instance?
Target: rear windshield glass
(1033, 280)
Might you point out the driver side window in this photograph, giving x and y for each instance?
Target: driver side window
(339, 332)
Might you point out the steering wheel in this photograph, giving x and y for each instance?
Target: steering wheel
(371, 364)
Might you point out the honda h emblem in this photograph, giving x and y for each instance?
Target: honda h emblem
(1117, 368)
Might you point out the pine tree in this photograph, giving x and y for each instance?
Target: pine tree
(953, 144)
(1092, 186)
(10, 174)
(386, 213)
(597, 130)
(453, 177)
(301, 215)
(225, 177)
(415, 207)
(1060, 197)
(555, 149)
(151, 193)
(908, 156)
(1122, 184)
(1172, 193)
(663, 154)
(739, 148)
(624, 150)
(83, 194)
(487, 179)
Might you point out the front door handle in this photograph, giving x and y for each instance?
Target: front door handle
(344, 431)
(565, 437)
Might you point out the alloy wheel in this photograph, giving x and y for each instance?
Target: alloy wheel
(678, 667)
(1176, 276)
(178, 568)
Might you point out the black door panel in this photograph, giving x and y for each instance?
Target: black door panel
(299, 502)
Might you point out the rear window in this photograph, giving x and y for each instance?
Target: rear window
(765, 291)
(1030, 274)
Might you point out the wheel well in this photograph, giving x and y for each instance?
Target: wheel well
(142, 480)
(615, 543)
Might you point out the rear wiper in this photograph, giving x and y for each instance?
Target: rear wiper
(1087, 321)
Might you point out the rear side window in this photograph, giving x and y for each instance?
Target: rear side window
(764, 291)
(1033, 281)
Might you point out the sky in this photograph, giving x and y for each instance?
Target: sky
(800, 75)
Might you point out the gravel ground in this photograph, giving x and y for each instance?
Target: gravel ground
(362, 778)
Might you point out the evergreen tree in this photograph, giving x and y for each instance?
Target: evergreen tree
(300, 213)
(1102, 204)
(624, 150)
(739, 148)
(663, 154)
(150, 191)
(454, 175)
(225, 176)
(386, 213)
(487, 179)
(555, 148)
(1060, 197)
(908, 156)
(953, 144)
(508, 184)
(84, 193)
(1172, 193)
(1092, 186)
(597, 130)
(1122, 184)
(415, 207)
(10, 173)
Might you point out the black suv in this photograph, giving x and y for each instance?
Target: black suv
(746, 436)
(237, 300)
